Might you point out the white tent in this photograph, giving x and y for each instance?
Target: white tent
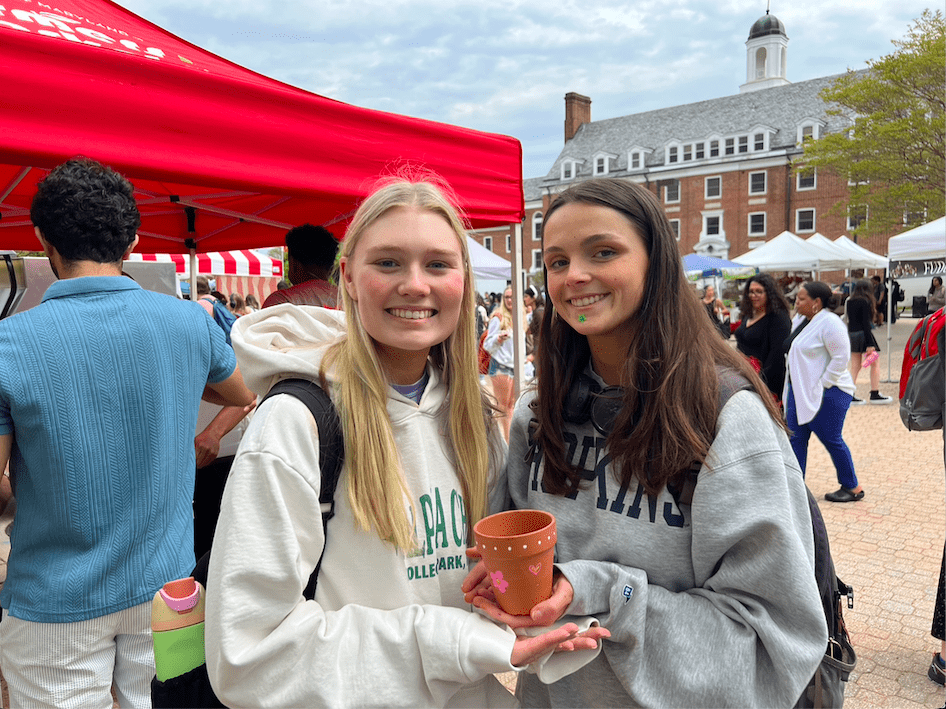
(920, 251)
(863, 258)
(831, 256)
(786, 252)
(486, 264)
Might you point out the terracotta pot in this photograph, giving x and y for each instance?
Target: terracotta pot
(518, 548)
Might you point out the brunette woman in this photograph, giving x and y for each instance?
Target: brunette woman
(765, 325)
(709, 597)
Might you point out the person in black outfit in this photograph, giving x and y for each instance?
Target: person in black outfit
(880, 297)
(765, 326)
(861, 309)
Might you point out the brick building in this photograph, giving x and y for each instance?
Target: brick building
(722, 168)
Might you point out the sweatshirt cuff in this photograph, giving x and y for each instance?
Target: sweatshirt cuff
(553, 666)
(485, 648)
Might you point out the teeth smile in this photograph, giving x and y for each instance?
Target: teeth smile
(411, 314)
(582, 302)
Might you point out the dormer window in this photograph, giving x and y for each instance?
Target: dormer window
(636, 160)
(810, 130)
(672, 154)
(687, 152)
(569, 170)
(602, 164)
(758, 142)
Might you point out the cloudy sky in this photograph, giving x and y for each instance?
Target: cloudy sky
(504, 66)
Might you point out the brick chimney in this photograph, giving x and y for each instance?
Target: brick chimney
(577, 113)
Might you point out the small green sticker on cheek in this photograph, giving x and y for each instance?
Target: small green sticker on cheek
(581, 318)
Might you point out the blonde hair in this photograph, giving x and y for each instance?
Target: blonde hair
(376, 486)
(505, 313)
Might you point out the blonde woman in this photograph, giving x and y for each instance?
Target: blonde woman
(499, 344)
(388, 624)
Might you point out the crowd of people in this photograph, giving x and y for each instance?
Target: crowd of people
(632, 433)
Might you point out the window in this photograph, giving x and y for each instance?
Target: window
(712, 226)
(757, 224)
(601, 166)
(488, 243)
(537, 226)
(807, 179)
(856, 215)
(714, 148)
(714, 187)
(508, 243)
(675, 228)
(635, 160)
(672, 153)
(672, 191)
(759, 141)
(756, 183)
(567, 170)
(536, 259)
(687, 152)
(808, 131)
(730, 146)
(760, 56)
(700, 150)
(743, 143)
(805, 220)
(914, 218)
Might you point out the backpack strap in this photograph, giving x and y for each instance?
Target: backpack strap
(331, 449)
(331, 457)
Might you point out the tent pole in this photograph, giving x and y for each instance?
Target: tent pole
(193, 266)
(518, 321)
(890, 307)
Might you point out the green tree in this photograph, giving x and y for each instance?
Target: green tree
(894, 155)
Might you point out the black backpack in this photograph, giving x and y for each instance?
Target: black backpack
(193, 689)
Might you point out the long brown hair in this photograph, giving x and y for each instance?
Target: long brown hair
(670, 384)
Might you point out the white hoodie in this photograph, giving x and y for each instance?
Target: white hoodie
(385, 629)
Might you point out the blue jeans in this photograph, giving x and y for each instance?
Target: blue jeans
(826, 425)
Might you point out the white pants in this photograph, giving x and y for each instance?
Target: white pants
(74, 665)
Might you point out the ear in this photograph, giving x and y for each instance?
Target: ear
(130, 248)
(346, 277)
(42, 241)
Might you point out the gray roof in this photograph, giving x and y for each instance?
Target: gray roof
(532, 188)
(781, 109)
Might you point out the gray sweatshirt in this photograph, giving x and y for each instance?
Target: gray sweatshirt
(708, 605)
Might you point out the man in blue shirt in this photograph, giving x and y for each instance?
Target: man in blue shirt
(99, 391)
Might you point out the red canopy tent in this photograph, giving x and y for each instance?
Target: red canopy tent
(221, 157)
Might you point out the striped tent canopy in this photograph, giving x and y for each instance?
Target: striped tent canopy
(243, 262)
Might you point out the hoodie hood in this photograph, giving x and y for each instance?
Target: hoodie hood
(284, 340)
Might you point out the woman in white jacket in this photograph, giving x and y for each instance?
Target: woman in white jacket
(388, 625)
(818, 387)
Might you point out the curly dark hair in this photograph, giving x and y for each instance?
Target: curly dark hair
(670, 383)
(775, 300)
(312, 246)
(86, 211)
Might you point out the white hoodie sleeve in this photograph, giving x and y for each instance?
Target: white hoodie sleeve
(266, 646)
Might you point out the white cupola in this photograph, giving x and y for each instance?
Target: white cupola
(766, 55)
